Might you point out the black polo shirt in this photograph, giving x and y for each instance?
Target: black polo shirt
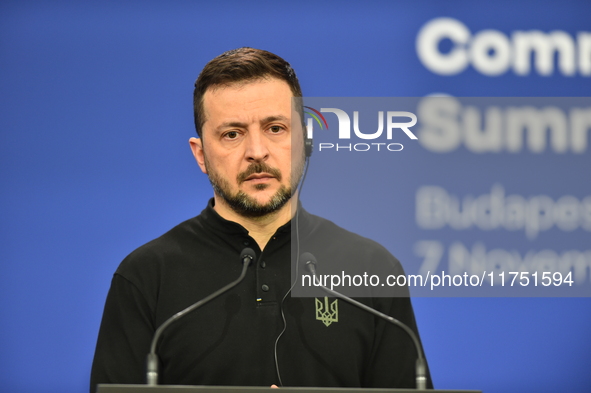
(230, 341)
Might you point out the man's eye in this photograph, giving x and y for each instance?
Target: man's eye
(232, 135)
(275, 129)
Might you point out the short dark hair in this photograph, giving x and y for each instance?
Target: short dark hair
(240, 65)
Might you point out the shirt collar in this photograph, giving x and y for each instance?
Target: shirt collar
(212, 219)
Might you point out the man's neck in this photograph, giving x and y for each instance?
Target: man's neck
(261, 229)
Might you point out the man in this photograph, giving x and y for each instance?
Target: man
(243, 116)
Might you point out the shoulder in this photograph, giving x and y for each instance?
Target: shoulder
(171, 242)
(146, 264)
(362, 264)
(329, 236)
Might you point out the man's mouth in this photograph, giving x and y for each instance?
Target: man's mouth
(259, 177)
(259, 173)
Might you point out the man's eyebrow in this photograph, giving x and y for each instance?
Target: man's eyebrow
(239, 124)
(270, 119)
(231, 124)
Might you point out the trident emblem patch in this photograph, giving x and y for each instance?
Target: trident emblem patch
(327, 313)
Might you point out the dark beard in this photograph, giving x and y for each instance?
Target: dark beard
(244, 204)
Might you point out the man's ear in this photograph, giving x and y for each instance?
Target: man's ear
(197, 149)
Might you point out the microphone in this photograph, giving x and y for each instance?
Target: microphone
(246, 256)
(421, 365)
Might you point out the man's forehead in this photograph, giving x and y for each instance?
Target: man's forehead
(254, 98)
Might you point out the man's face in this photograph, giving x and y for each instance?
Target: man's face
(246, 146)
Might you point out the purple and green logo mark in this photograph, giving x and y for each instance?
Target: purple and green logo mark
(317, 116)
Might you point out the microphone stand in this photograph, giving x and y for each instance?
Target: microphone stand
(421, 364)
(247, 255)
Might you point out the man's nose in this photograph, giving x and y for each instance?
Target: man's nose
(257, 148)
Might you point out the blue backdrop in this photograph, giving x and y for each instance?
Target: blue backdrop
(96, 111)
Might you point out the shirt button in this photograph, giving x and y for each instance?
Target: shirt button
(265, 287)
(263, 264)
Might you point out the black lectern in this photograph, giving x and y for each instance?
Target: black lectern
(104, 388)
